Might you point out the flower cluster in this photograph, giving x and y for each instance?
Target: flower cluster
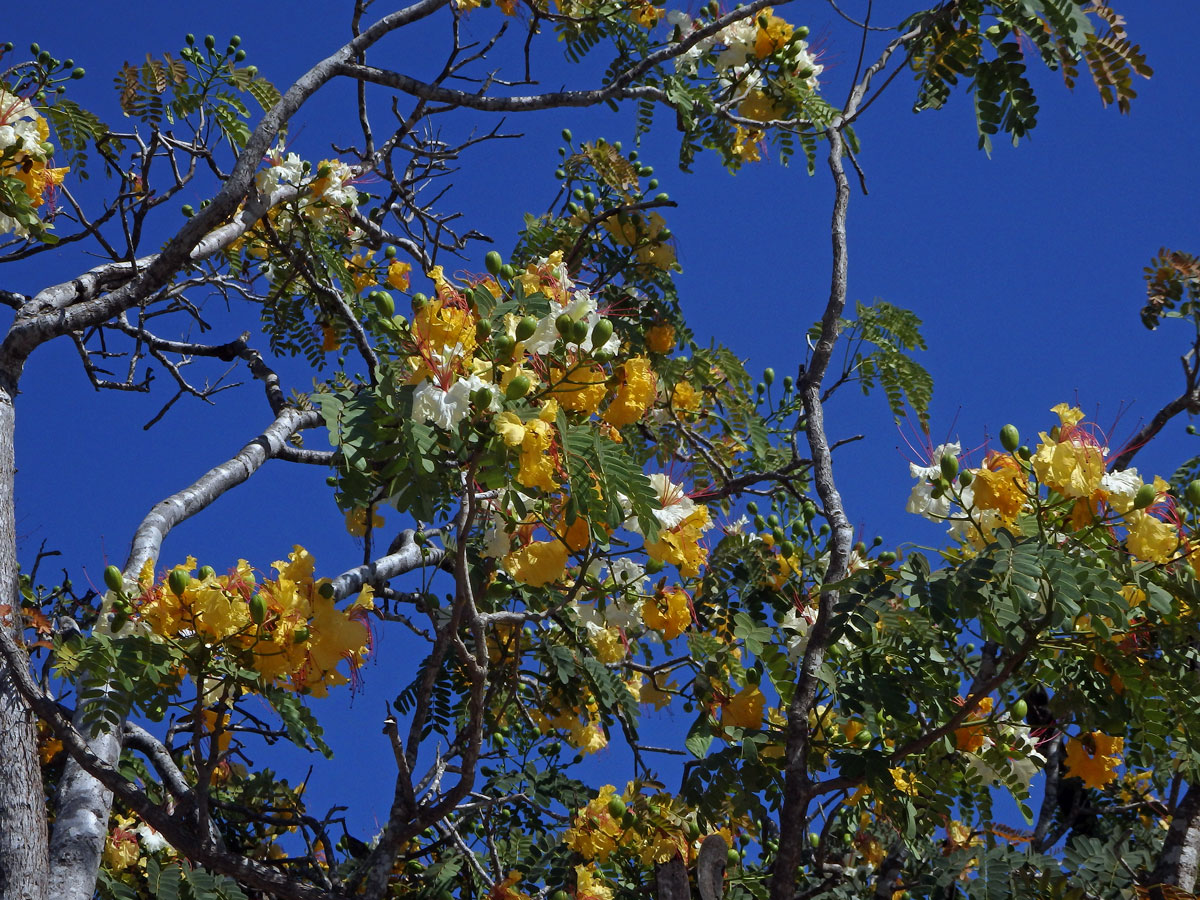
(523, 381)
(1082, 494)
(287, 628)
(25, 153)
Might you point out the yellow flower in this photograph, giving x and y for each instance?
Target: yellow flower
(760, 107)
(685, 398)
(970, 738)
(589, 886)
(1150, 539)
(440, 326)
(1074, 464)
(336, 635)
(360, 270)
(510, 427)
(1001, 485)
(593, 833)
(397, 275)
(773, 34)
(668, 612)
(1094, 757)
(608, 646)
(745, 144)
(120, 849)
(744, 709)
(681, 545)
(356, 521)
(506, 889)
(646, 15)
(635, 394)
(536, 462)
(660, 338)
(538, 563)
(581, 388)
(904, 784)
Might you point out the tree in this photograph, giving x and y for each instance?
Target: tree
(535, 422)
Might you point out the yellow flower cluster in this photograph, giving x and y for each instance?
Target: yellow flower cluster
(290, 627)
(1094, 758)
(26, 151)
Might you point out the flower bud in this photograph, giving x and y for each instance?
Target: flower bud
(949, 466)
(563, 325)
(258, 609)
(768, 376)
(518, 387)
(1192, 493)
(601, 332)
(579, 332)
(178, 582)
(494, 262)
(1145, 495)
(1010, 438)
(206, 572)
(113, 579)
(566, 135)
(965, 477)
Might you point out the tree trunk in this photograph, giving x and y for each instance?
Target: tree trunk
(23, 852)
(1181, 851)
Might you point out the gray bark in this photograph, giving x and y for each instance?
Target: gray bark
(23, 854)
(83, 804)
(1180, 858)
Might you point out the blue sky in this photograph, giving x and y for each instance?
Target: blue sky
(1026, 267)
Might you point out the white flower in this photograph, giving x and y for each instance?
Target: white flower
(921, 501)
(1122, 487)
(150, 839)
(676, 504)
(797, 626)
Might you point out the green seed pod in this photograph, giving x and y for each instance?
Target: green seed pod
(1192, 493)
(239, 56)
(210, 42)
(773, 520)
(419, 301)
(494, 262)
(579, 332)
(188, 210)
(753, 675)
(1010, 438)
(507, 272)
(258, 609)
(563, 325)
(178, 582)
(965, 477)
(887, 557)
(235, 41)
(384, 303)
(778, 535)
(1024, 452)
(326, 590)
(525, 328)
(113, 578)
(78, 73)
(752, 508)
(518, 387)
(788, 383)
(663, 197)
(1191, 429)
(503, 345)
(1018, 710)
(949, 466)
(814, 840)
(119, 618)
(801, 32)
(601, 332)
(1145, 495)
(652, 184)
(787, 548)
(483, 330)
(653, 566)
(769, 376)
(863, 738)
(206, 572)
(732, 858)
(616, 807)
(566, 135)
(300, 635)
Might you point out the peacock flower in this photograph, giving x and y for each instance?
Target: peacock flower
(1149, 538)
(398, 273)
(581, 388)
(1073, 465)
(1000, 485)
(660, 338)
(773, 33)
(536, 462)
(921, 501)
(635, 393)
(1094, 757)
(744, 709)
(680, 546)
(538, 563)
(668, 612)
